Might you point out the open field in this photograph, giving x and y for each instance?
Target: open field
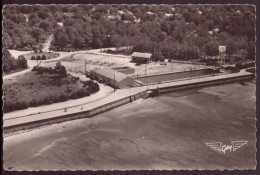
(49, 55)
(35, 89)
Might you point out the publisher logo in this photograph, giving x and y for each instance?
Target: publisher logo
(218, 146)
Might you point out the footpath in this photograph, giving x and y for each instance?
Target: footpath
(15, 74)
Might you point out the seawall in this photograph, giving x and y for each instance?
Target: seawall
(201, 84)
(121, 100)
(79, 115)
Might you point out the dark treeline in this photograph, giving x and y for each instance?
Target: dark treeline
(12, 64)
(170, 31)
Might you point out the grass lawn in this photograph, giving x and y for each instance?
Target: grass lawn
(43, 88)
(49, 55)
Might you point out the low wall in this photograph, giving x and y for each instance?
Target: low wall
(83, 114)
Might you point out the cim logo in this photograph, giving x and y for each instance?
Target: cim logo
(218, 146)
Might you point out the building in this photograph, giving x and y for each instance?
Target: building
(112, 77)
(141, 57)
(124, 70)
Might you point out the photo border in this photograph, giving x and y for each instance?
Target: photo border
(150, 172)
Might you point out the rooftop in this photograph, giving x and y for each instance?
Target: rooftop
(110, 73)
(143, 55)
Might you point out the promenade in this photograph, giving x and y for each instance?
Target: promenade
(44, 113)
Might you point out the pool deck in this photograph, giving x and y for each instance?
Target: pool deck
(43, 113)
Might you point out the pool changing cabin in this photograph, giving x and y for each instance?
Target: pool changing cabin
(112, 78)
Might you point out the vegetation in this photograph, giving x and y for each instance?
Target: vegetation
(125, 51)
(10, 64)
(59, 70)
(168, 31)
(245, 65)
(41, 55)
(43, 89)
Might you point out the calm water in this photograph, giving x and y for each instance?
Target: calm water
(165, 132)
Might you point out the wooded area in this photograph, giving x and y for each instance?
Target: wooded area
(169, 31)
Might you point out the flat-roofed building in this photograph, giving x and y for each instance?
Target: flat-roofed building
(141, 57)
(112, 78)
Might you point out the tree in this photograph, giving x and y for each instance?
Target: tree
(38, 57)
(251, 51)
(78, 41)
(60, 37)
(36, 33)
(45, 25)
(101, 8)
(60, 70)
(22, 62)
(25, 9)
(187, 15)
(211, 48)
(6, 40)
(231, 47)
(43, 14)
(86, 33)
(43, 57)
(99, 35)
(127, 17)
(8, 61)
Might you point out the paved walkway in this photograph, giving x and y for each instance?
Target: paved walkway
(15, 74)
(39, 113)
(46, 45)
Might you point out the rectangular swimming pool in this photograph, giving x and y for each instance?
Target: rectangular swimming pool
(165, 77)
